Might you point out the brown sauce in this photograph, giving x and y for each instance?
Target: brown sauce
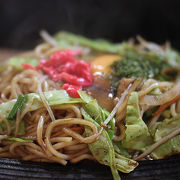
(102, 92)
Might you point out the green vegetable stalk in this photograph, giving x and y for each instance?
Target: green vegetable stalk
(19, 139)
(17, 106)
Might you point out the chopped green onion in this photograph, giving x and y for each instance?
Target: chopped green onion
(16, 106)
(23, 103)
(19, 139)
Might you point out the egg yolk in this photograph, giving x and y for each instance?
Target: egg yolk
(102, 64)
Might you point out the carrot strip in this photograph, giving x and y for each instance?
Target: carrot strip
(166, 71)
(163, 107)
(76, 128)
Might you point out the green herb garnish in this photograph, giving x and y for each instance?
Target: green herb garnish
(136, 64)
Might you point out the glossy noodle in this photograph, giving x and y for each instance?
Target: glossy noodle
(49, 111)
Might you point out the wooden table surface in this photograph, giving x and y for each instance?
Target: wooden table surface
(7, 53)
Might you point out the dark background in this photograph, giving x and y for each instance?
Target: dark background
(21, 20)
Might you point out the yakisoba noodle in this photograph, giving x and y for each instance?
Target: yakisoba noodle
(39, 124)
(60, 140)
(58, 132)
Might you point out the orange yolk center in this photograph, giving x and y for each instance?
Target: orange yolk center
(102, 64)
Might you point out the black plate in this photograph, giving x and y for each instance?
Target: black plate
(166, 169)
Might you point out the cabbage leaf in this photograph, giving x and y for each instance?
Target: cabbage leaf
(103, 150)
(18, 61)
(137, 136)
(55, 97)
(162, 129)
(97, 113)
(67, 40)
